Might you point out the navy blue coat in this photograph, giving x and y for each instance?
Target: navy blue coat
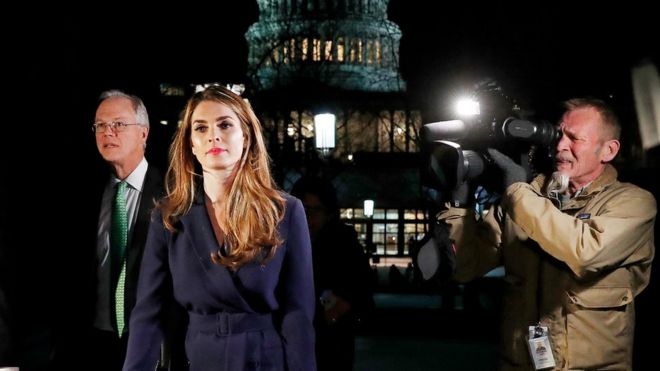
(230, 312)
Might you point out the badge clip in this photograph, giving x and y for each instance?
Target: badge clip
(540, 349)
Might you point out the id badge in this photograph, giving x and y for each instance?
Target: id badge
(538, 343)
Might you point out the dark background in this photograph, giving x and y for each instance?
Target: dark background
(539, 53)
(62, 58)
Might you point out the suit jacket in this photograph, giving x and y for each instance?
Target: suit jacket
(179, 264)
(79, 273)
(152, 190)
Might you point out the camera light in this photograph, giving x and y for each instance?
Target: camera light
(467, 107)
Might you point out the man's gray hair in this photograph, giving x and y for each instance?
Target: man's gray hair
(140, 110)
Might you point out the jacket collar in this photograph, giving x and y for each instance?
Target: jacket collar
(604, 180)
(200, 233)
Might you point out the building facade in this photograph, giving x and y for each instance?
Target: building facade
(341, 57)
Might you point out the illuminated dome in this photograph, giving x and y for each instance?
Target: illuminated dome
(345, 44)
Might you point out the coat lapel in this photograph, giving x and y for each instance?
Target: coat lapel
(152, 190)
(197, 228)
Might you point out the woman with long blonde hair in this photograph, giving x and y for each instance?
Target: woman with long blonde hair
(229, 247)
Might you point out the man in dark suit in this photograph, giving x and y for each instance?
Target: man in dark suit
(127, 196)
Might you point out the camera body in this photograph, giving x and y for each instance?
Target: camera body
(458, 149)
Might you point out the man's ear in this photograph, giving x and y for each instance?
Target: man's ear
(610, 149)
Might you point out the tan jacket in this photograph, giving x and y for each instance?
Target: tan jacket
(574, 267)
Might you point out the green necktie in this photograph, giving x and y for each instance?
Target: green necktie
(119, 238)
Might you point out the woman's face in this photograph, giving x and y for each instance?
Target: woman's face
(216, 136)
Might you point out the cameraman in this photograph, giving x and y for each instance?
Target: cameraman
(576, 245)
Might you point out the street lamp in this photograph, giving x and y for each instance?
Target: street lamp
(369, 212)
(368, 208)
(324, 129)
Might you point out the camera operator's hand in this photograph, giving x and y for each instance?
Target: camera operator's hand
(511, 171)
(460, 196)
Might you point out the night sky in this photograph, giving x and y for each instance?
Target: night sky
(539, 54)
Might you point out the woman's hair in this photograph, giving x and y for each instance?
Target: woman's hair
(253, 205)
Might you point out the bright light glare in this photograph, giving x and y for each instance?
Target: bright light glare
(467, 107)
(324, 129)
(368, 208)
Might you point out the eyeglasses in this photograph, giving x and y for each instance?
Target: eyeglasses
(117, 126)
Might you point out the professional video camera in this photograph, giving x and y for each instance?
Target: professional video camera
(450, 164)
(457, 154)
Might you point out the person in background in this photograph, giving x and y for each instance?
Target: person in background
(229, 247)
(95, 335)
(576, 245)
(342, 275)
